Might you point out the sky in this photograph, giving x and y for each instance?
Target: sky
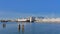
(24, 8)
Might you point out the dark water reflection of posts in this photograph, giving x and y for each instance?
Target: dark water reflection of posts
(19, 27)
(4, 25)
(22, 27)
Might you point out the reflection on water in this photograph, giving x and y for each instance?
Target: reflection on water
(22, 27)
(29, 28)
(19, 27)
(4, 25)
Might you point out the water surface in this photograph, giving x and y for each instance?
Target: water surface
(29, 28)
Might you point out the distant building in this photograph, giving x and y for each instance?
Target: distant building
(32, 19)
(40, 17)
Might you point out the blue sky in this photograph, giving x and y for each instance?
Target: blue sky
(23, 8)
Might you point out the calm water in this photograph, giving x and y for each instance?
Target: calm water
(29, 28)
